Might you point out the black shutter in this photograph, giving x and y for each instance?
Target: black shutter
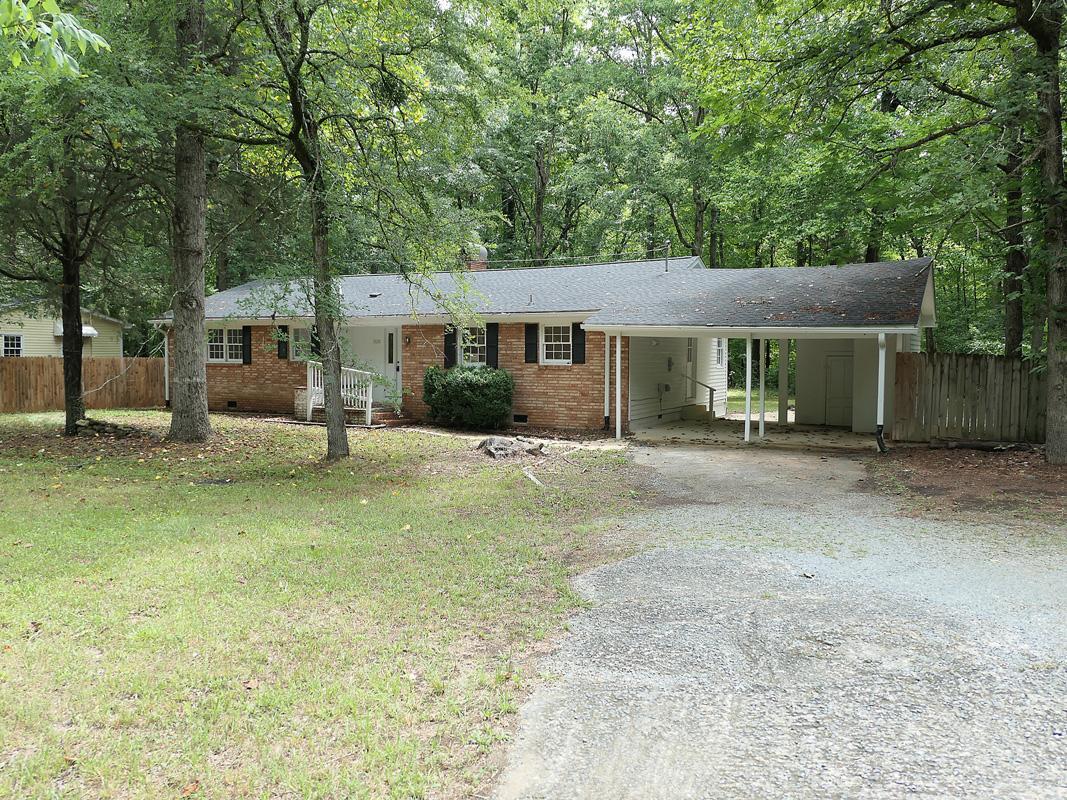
(316, 343)
(283, 341)
(531, 342)
(450, 347)
(577, 343)
(246, 344)
(492, 344)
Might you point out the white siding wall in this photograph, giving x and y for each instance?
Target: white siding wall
(711, 373)
(811, 380)
(39, 339)
(658, 390)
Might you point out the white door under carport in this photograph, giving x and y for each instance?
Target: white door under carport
(839, 390)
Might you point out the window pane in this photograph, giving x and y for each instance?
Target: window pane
(557, 343)
(215, 348)
(234, 345)
(474, 346)
(12, 345)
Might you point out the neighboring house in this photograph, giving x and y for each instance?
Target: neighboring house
(35, 328)
(589, 346)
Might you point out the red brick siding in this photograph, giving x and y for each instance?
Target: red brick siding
(551, 396)
(267, 384)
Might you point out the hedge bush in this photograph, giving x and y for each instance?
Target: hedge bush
(468, 397)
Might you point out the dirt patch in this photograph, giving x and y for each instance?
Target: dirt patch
(955, 481)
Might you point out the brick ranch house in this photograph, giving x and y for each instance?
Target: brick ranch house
(616, 345)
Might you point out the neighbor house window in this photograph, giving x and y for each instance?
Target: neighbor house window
(555, 344)
(472, 350)
(720, 352)
(12, 345)
(225, 345)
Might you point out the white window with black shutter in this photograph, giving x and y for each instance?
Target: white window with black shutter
(556, 344)
(473, 346)
(473, 349)
(229, 345)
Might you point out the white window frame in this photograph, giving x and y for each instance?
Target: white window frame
(463, 343)
(3, 345)
(720, 352)
(299, 343)
(226, 344)
(542, 358)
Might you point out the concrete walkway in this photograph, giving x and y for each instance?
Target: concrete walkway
(785, 635)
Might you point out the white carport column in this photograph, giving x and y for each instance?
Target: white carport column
(762, 386)
(748, 388)
(783, 381)
(618, 387)
(880, 414)
(607, 380)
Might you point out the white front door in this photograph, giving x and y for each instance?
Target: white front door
(367, 350)
(839, 391)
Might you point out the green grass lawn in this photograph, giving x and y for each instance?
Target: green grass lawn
(239, 620)
(735, 399)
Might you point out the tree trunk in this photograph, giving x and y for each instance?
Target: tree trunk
(700, 206)
(713, 237)
(873, 252)
(1016, 257)
(325, 296)
(188, 384)
(537, 224)
(73, 401)
(70, 291)
(1044, 24)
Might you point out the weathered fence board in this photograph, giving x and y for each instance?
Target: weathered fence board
(36, 384)
(956, 396)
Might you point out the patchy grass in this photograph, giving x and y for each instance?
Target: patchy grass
(239, 620)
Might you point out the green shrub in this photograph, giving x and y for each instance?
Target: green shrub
(468, 397)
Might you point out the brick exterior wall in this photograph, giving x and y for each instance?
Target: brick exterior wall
(551, 396)
(266, 385)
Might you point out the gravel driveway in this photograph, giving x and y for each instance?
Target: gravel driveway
(786, 635)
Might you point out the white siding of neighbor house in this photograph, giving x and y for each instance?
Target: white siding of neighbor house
(658, 390)
(39, 339)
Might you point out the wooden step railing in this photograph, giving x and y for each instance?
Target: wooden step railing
(356, 386)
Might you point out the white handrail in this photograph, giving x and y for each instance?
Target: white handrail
(356, 387)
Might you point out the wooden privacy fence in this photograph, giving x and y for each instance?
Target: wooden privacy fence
(953, 396)
(36, 384)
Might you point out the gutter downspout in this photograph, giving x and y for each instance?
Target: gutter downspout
(879, 428)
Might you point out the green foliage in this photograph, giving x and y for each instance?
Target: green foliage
(38, 33)
(469, 397)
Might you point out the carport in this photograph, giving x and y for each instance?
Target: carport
(846, 323)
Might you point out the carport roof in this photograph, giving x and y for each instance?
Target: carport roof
(658, 293)
(876, 295)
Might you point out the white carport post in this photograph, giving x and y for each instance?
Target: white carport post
(880, 414)
(607, 380)
(618, 387)
(783, 381)
(748, 388)
(762, 385)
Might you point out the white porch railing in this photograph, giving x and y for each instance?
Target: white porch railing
(356, 386)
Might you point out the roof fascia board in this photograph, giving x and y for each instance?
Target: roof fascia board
(768, 332)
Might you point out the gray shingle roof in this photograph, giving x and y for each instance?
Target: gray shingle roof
(882, 294)
(625, 293)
